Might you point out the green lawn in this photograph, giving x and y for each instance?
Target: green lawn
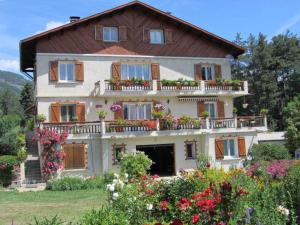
(22, 207)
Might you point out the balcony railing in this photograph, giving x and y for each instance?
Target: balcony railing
(213, 85)
(176, 86)
(128, 126)
(128, 85)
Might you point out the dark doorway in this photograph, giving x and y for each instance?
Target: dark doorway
(162, 157)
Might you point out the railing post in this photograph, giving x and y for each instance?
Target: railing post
(246, 86)
(265, 122)
(202, 84)
(157, 125)
(207, 123)
(154, 85)
(235, 121)
(103, 130)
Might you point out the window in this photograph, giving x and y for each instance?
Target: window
(137, 71)
(66, 71)
(156, 37)
(76, 157)
(117, 151)
(137, 111)
(67, 113)
(211, 109)
(229, 148)
(110, 34)
(190, 149)
(208, 73)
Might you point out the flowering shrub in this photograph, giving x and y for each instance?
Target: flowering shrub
(115, 107)
(52, 155)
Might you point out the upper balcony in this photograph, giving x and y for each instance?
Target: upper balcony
(171, 88)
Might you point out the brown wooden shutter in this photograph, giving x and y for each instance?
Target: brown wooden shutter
(123, 33)
(220, 106)
(55, 112)
(120, 113)
(68, 161)
(79, 71)
(146, 35)
(219, 148)
(201, 108)
(78, 156)
(80, 111)
(218, 72)
(116, 71)
(98, 32)
(168, 36)
(53, 71)
(155, 71)
(242, 146)
(198, 72)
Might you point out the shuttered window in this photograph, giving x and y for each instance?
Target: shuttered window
(117, 152)
(110, 34)
(68, 113)
(137, 111)
(210, 107)
(157, 37)
(66, 71)
(190, 149)
(76, 157)
(137, 71)
(229, 148)
(208, 73)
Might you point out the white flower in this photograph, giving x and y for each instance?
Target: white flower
(115, 181)
(121, 183)
(115, 196)
(110, 187)
(116, 175)
(283, 210)
(149, 207)
(126, 175)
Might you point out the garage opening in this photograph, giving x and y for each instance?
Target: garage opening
(162, 157)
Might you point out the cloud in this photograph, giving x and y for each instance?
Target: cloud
(10, 65)
(289, 24)
(50, 25)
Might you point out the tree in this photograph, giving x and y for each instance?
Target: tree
(9, 104)
(26, 99)
(291, 116)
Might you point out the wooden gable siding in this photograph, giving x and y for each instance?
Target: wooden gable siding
(81, 39)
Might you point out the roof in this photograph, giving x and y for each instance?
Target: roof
(271, 136)
(27, 45)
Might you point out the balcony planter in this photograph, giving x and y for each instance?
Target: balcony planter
(102, 114)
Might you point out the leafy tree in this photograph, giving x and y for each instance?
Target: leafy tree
(9, 104)
(291, 116)
(27, 99)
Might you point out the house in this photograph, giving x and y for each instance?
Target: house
(130, 61)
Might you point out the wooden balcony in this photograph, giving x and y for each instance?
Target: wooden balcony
(138, 126)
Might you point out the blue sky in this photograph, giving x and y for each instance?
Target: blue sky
(22, 18)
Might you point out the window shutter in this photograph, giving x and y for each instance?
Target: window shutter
(198, 72)
(242, 146)
(218, 72)
(55, 113)
(79, 71)
(220, 106)
(155, 72)
(116, 71)
(168, 36)
(120, 113)
(146, 35)
(98, 32)
(78, 156)
(80, 111)
(53, 71)
(68, 161)
(123, 33)
(219, 149)
(201, 108)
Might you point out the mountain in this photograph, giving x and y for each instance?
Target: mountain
(12, 81)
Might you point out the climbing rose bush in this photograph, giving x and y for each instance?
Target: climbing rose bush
(52, 155)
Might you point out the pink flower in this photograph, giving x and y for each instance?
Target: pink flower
(195, 218)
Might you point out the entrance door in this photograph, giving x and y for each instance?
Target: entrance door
(162, 157)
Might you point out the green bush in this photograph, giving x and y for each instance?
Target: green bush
(135, 164)
(74, 183)
(203, 161)
(7, 163)
(108, 176)
(268, 152)
(55, 220)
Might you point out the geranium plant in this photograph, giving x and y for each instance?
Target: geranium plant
(115, 107)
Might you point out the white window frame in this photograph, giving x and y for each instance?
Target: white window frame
(215, 109)
(66, 75)
(68, 116)
(213, 77)
(135, 69)
(109, 29)
(229, 156)
(154, 41)
(137, 112)
(193, 143)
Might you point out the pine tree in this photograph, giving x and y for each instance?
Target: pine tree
(27, 99)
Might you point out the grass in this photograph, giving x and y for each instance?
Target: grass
(23, 207)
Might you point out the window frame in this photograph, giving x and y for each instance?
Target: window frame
(114, 152)
(66, 75)
(136, 64)
(126, 104)
(68, 116)
(194, 150)
(213, 74)
(110, 34)
(162, 38)
(235, 148)
(215, 109)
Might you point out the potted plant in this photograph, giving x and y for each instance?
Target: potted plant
(120, 123)
(115, 107)
(102, 114)
(205, 114)
(74, 119)
(40, 118)
(234, 111)
(264, 112)
(157, 114)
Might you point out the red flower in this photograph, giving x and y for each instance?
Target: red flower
(176, 222)
(155, 176)
(149, 192)
(184, 203)
(206, 205)
(158, 224)
(164, 205)
(195, 218)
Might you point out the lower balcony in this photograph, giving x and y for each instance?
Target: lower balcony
(138, 126)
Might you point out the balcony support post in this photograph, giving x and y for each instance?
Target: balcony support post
(103, 131)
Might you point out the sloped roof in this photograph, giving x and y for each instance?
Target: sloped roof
(27, 45)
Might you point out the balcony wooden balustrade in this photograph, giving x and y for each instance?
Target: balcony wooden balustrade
(127, 85)
(110, 127)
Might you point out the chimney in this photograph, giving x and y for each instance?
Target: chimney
(74, 18)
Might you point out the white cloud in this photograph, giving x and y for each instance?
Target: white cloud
(50, 25)
(289, 24)
(10, 65)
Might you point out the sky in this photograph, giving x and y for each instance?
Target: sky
(22, 18)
